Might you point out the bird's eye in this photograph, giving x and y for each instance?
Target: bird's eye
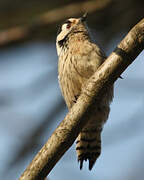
(68, 24)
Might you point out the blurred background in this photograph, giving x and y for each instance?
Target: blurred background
(31, 105)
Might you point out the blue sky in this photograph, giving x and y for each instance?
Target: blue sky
(29, 91)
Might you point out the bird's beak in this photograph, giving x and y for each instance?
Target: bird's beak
(83, 18)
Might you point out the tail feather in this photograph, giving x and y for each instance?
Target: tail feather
(88, 147)
(88, 144)
(90, 157)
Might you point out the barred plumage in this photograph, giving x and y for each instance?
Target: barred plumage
(79, 58)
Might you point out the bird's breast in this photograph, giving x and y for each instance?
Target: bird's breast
(70, 77)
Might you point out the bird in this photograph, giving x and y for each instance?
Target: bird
(78, 59)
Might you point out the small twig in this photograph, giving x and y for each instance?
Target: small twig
(66, 133)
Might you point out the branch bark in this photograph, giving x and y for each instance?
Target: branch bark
(66, 133)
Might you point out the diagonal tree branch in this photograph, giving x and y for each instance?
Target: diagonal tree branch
(66, 133)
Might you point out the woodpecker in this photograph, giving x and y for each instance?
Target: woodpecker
(78, 60)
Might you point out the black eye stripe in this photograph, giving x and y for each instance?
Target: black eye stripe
(60, 26)
(67, 22)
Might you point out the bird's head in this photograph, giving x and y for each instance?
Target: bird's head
(69, 27)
